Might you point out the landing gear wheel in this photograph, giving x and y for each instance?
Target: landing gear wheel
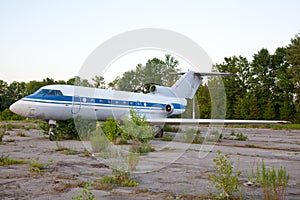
(52, 124)
(51, 137)
(159, 132)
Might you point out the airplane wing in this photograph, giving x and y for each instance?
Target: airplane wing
(182, 121)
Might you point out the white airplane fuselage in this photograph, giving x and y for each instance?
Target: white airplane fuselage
(62, 102)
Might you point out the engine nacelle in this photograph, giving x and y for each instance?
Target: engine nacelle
(161, 90)
(169, 108)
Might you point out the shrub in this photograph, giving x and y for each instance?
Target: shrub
(8, 115)
(111, 129)
(224, 179)
(136, 128)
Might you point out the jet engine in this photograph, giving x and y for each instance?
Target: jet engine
(169, 108)
(161, 90)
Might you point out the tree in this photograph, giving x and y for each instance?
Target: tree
(99, 82)
(269, 110)
(82, 82)
(293, 58)
(235, 86)
(262, 79)
(238, 109)
(254, 109)
(3, 95)
(155, 71)
(204, 103)
(114, 83)
(15, 91)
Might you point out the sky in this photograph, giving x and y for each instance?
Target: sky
(52, 38)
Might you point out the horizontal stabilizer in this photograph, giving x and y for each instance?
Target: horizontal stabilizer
(188, 84)
(178, 121)
(209, 73)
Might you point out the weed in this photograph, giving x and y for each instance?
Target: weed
(142, 148)
(251, 176)
(37, 167)
(133, 160)
(241, 137)
(168, 128)
(86, 193)
(2, 133)
(10, 140)
(86, 153)
(119, 178)
(214, 136)
(224, 179)
(9, 127)
(121, 141)
(232, 133)
(99, 142)
(6, 160)
(21, 134)
(251, 146)
(273, 183)
(166, 138)
(66, 150)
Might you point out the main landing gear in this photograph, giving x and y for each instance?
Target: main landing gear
(52, 124)
(159, 131)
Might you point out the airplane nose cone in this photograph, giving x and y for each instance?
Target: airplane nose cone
(17, 108)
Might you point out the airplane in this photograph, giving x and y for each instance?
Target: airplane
(63, 102)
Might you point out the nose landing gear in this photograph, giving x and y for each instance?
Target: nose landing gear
(52, 124)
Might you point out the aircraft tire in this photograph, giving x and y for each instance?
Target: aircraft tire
(159, 132)
(51, 137)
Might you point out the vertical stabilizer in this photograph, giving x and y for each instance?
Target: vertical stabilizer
(187, 85)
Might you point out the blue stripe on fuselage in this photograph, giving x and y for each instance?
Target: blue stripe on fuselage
(97, 102)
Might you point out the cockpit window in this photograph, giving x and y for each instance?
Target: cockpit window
(46, 92)
(55, 93)
(42, 92)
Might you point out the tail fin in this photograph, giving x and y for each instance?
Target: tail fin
(188, 84)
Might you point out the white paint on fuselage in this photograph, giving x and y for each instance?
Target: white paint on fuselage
(84, 104)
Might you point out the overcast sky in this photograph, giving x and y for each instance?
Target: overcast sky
(52, 38)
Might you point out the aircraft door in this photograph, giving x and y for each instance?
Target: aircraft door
(76, 105)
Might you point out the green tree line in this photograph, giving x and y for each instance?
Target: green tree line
(267, 87)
